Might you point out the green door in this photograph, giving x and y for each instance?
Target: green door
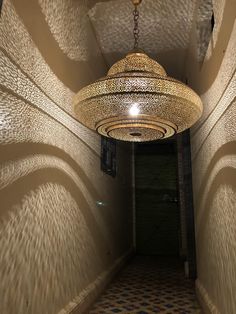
(157, 213)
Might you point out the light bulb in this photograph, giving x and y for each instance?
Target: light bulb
(134, 110)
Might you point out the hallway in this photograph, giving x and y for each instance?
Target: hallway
(149, 285)
(81, 186)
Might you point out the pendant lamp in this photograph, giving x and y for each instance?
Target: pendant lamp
(137, 101)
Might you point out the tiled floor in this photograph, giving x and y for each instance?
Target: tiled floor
(149, 285)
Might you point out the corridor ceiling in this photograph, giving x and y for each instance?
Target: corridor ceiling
(165, 27)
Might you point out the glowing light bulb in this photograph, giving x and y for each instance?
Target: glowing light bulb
(134, 110)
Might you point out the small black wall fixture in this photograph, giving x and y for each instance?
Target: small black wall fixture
(212, 21)
(108, 156)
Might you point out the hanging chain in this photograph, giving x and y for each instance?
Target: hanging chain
(136, 29)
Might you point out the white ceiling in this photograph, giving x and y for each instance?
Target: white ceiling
(165, 27)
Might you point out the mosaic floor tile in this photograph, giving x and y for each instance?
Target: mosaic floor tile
(149, 285)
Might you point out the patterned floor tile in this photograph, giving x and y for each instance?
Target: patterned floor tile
(149, 285)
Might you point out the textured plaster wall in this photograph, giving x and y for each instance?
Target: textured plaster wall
(56, 242)
(213, 142)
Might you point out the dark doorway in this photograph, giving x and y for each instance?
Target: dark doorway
(157, 212)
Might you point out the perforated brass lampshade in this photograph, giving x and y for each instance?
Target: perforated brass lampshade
(137, 102)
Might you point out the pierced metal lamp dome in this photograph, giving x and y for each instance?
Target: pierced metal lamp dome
(137, 101)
